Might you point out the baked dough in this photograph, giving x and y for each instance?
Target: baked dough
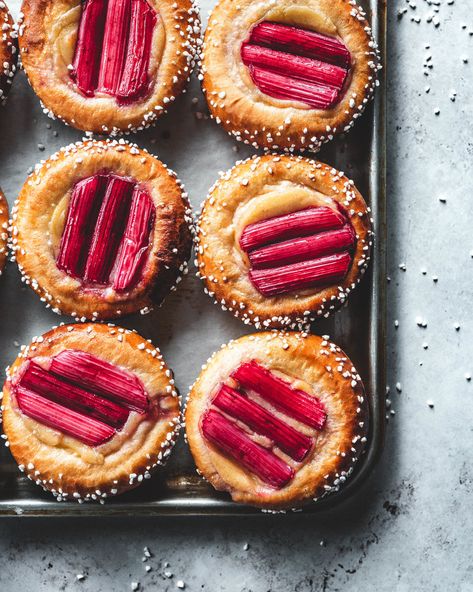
(260, 120)
(38, 221)
(265, 186)
(47, 40)
(327, 372)
(3, 231)
(8, 52)
(70, 469)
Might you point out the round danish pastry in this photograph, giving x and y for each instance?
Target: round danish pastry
(8, 52)
(277, 419)
(3, 231)
(89, 411)
(108, 66)
(282, 240)
(102, 229)
(288, 74)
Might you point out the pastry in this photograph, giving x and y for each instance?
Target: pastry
(8, 52)
(277, 419)
(102, 229)
(3, 231)
(108, 66)
(282, 240)
(287, 74)
(89, 411)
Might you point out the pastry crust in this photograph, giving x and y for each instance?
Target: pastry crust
(223, 267)
(33, 240)
(3, 231)
(70, 469)
(260, 120)
(8, 52)
(47, 22)
(330, 374)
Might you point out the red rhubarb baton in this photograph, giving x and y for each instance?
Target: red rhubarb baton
(294, 66)
(86, 63)
(298, 276)
(296, 224)
(302, 249)
(301, 41)
(293, 402)
(108, 230)
(115, 43)
(234, 442)
(82, 212)
(133, 249)
(100, 377)
(86, 429)
(285, 88)
(135, 81)
(39, 380)
(263, 422)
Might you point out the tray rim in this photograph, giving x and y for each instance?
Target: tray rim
(207, 506)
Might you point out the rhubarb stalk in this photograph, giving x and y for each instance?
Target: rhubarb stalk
(81, 216)
(300, 223)
(294, 66)
(100, 377)
(133, 249)
(42, 382)
(301, 249)
(134, 83)
(279, 86)
(301, 41)
(263, 422)
(115, 42)
(298, 276)
(234, 442)
(86, 429)
(108, 230)
(293, 402)
(86, 62)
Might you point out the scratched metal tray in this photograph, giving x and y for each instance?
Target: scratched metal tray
(189, 327)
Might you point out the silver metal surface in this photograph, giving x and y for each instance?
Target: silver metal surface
(188, 328)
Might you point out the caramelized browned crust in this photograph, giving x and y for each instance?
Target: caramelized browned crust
(63, 465)
(40, 46)
(8, 52)
(3, 231)
(325, 368)
(257, 119)
(225, 272)
(32, 231)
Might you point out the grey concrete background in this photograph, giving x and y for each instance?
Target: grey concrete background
(411, 526)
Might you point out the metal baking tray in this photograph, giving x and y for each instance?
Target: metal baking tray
(189, 327)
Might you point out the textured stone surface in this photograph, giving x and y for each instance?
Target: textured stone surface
(410, 528)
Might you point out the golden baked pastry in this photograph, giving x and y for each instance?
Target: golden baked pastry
(102, 229)
(288, 74)
(8, 52)
(89, 411)
(282, 240)
(108, 66)
(3, 231)
(277, 419)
